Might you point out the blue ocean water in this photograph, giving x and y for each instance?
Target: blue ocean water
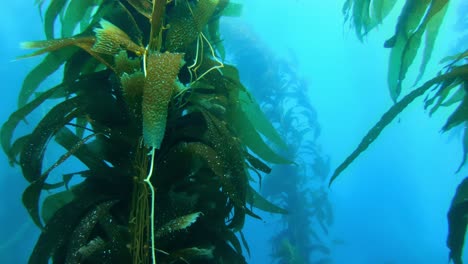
(389, 206)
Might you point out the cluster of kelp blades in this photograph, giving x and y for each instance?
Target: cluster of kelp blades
(283, 96)
(304, 238)
(205, 133)
(419, 19)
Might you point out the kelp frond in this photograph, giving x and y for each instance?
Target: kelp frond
(144, 7)
(46, 46)
(111, 40)
(453, 74)
(365, 15)
(457, 222)
(417, 19)
(177, 224)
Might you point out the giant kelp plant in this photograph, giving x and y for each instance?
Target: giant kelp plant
(418, 25)
(283, 95)
(162, 126)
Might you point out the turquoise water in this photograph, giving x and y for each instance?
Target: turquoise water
(390, 205)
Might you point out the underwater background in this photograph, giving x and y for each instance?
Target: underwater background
(389, 206)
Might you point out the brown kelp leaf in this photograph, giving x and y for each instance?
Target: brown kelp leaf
(412, 24)
(385, 120)
(71, 150)
(53, 11)
(50, 45)
(432, 30)
(250, 107)
(456, 97)
(162, 71)
(31, 195)
(442, 92)
(10, 125)
(455, 58)
(80, 64)
(203, 11)
(30, 200)
(258, 201)
(124, 64)
(143, 7)
(365, 15)
(52, 203)
(229, 235)
(234, 179)
(77, 147)
(457, 222)
(250, 137)
(75, 13)
(257, 164)
(132, 87)
(124, 19)
(80, 236)
(47, 67)
(260, 121)
(458, 116)
(111, 40)
(179, 223)
(186, 24)
(197, 156)
(244, 242)
(58, 230)
(16, 148)
(32, 156)
(56, 45)
(81, 123)
(182, 31)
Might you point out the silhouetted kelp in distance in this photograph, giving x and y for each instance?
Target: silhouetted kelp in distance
(418, 19)
(141, 78)
(282, 95)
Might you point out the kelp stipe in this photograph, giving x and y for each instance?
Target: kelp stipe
(125, 93)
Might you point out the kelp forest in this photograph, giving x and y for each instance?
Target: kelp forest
(173, 124)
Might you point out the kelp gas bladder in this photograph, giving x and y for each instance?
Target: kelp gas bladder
(140, 78)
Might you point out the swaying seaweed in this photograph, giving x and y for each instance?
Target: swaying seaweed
(126, 93)
(418, 19)
(458, 222)
(283, 96)
(454, 75)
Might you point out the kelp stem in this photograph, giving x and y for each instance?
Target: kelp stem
(148, 181)
(157, 17)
